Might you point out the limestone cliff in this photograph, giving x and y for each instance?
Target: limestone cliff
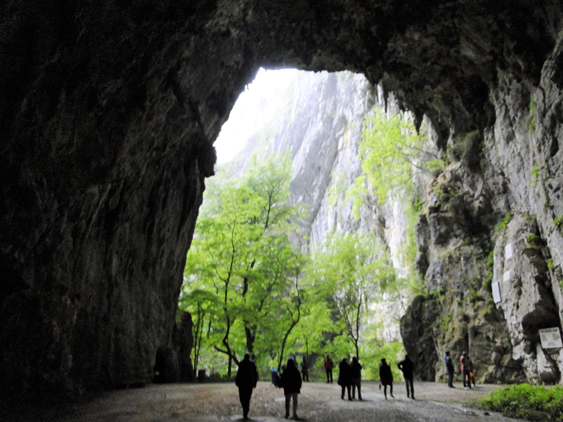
(109, 110)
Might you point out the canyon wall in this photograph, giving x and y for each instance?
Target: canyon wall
(109, 110)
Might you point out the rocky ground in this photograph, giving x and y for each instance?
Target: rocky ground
(317, 402)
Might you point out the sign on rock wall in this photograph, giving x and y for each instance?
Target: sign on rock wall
(550, 338)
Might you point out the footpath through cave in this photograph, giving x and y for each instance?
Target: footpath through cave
(209, 402)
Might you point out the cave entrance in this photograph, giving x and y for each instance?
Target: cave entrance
(281, 255)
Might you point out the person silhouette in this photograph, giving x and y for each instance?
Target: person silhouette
(345, 377)
(449, 369)
(385, 377)
(246, 380)
(305, 369)
(328, 364)
(291, 383)
(407, 366)
(356, 370)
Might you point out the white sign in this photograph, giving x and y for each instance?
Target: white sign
(496, 292)
(506, 276)
(508, 251)
(550, 338)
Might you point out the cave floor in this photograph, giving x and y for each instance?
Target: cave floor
(317, 402)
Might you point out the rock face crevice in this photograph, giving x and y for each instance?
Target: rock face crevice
(108, 112)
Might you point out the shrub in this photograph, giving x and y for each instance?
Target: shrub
(535, 403)
(501, 226)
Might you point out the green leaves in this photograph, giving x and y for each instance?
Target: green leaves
(392, 152)
(535, 403)
(350, 274)
(241, 263)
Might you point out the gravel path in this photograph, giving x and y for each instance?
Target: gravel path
(317, 402)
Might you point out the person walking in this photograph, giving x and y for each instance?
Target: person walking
(470, 369)
(246, 380)
(356, 372)
(328, 364)
(385, 377)
(345, 377)
(449, 369)
(407, 367)
(291, 383)
(465, 370)
(305, 369)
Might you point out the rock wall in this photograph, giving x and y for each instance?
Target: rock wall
(511, 167)
(108, 112)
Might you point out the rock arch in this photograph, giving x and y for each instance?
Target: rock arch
(108, 113)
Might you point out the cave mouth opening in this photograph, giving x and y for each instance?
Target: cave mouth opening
(314, 115)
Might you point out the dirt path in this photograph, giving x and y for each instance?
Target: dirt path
(317, 402)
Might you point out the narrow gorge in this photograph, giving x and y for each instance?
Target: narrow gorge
(108, 114)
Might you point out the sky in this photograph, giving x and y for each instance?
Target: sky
(246, 118)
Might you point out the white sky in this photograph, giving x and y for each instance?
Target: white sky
(246, 117)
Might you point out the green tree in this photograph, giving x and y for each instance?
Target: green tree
(352, 272)
(241, 254)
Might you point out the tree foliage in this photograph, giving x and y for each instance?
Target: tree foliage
(392, 152)
(351, 273)
(241, 260)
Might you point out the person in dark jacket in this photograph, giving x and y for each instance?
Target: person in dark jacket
(345, 377)
(291, 383)
(305, 369)
(246, 380)
(449, 369)
(328, 364)
(356, 371)
(385, 377)
(407, 366)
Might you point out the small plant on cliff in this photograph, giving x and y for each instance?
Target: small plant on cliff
(490, 267)
(533, 240)
(534, 173)
(532, 124)
(534, 403)
(558, 221)
(474, 296)
(501, 226)
(444, 323)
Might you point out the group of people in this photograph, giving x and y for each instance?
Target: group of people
(386, 376)
(349, 378)
(466, 370)
(290, 380)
